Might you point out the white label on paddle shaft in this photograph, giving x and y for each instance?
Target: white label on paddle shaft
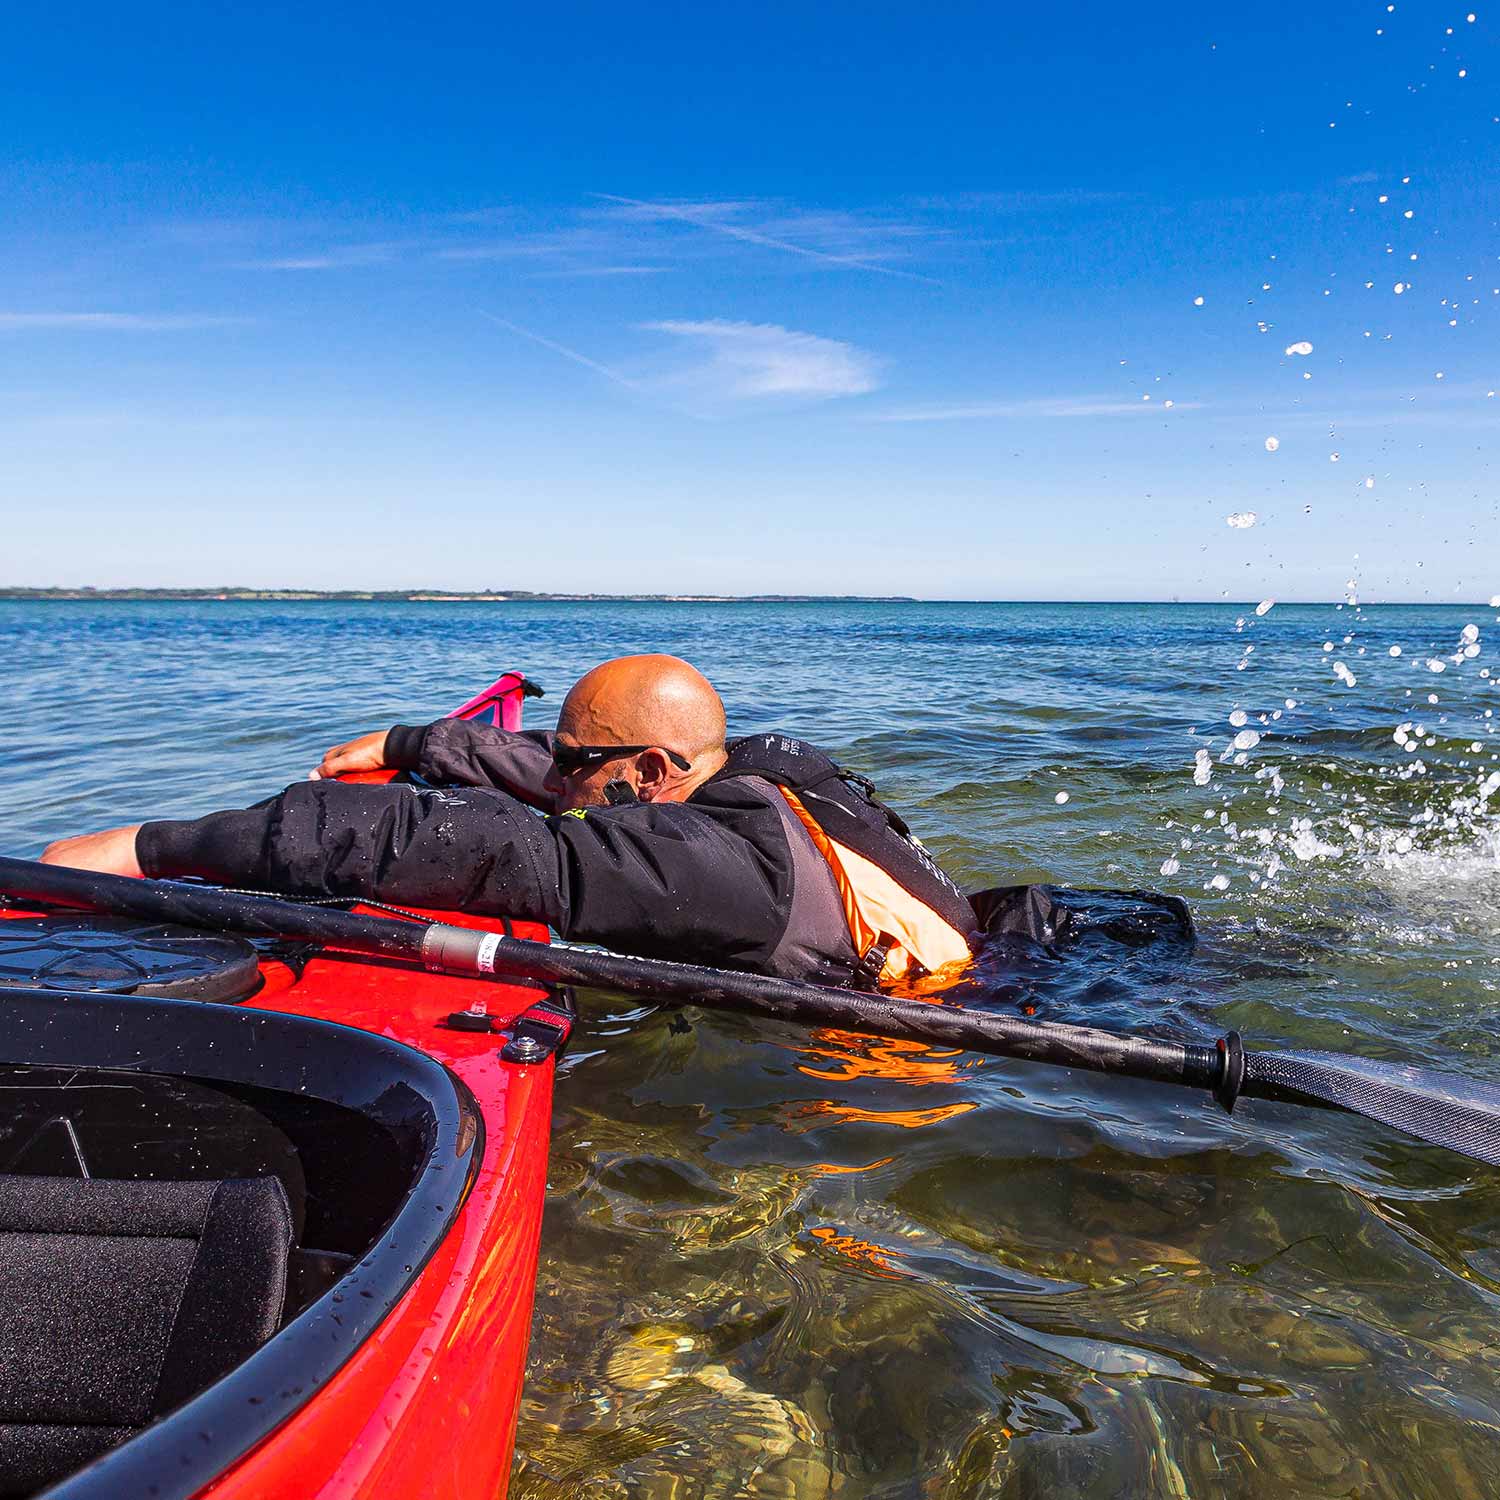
(485, 957)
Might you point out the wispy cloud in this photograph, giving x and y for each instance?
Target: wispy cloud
(750, 361)
(339, 258)
(1060, 406)
(1061, 200)
(604, 271)
(732, 364)
(103, 322)
(609, 235)
(519, 247)
(748, 223)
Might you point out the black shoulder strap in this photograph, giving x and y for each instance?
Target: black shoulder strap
(845, 806)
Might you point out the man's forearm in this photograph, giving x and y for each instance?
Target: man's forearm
(109, 853)
(475, 850)
(460, 752)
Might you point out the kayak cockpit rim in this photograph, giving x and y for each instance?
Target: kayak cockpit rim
(433, 1122)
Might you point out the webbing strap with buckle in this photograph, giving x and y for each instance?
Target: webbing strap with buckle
(871, 966)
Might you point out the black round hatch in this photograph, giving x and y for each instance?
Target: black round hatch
(124, 956)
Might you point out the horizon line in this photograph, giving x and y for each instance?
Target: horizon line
(293, 594)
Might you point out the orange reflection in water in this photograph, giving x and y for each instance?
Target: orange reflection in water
(908, 1119)
(860, 1056)
(871, 1257)
(836, 1169)
(853, 1056)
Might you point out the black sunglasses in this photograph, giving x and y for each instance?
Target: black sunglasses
(571, 759)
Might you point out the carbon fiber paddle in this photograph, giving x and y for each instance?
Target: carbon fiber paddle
(1456, 1113)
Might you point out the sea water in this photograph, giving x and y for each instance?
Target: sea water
(780, 1263)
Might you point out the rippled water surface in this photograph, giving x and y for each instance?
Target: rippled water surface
(787, 1264)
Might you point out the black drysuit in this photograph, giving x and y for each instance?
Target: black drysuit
(728, 878)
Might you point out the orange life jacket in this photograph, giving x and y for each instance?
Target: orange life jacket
(906, 916)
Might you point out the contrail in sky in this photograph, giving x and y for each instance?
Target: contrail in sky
(754, 237)
(562, 349)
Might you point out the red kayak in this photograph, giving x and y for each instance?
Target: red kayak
(268, 1215)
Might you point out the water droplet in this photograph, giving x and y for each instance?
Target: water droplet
(1272, 444)
(1060, 798)
(1197, 301)
(1241, 520)
(1265, 606)
(1395, 651)
(1171, 865)
(1301, 347)
(1219, 883)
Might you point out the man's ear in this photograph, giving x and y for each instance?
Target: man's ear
(655, 772)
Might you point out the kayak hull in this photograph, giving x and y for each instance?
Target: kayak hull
(427, 1406)
(424, 1401)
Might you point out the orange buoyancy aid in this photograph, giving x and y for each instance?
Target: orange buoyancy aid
(884, 919)
(906, 916)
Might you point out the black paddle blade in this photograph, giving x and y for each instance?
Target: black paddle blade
(1460, 1114)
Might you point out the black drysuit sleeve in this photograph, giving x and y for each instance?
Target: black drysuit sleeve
(459, 752)
(699, 883)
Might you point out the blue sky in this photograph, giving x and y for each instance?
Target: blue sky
(783, 299)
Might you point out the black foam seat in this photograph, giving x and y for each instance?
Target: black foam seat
(119, 1301)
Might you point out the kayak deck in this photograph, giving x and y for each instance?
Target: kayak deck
(443, 1374)
(355, 1394)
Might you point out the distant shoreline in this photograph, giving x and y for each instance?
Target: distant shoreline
(522, 596)
(420, 596)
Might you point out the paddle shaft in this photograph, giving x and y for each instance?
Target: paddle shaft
(458, 950)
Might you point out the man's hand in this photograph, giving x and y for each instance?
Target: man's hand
(367, 753)
(109, 853)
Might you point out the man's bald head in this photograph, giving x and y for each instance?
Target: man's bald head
(656, 700)
(659, 701)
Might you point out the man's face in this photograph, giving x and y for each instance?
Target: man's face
(585, 788)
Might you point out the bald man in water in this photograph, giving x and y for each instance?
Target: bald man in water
(664, 709)
(657, 837)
